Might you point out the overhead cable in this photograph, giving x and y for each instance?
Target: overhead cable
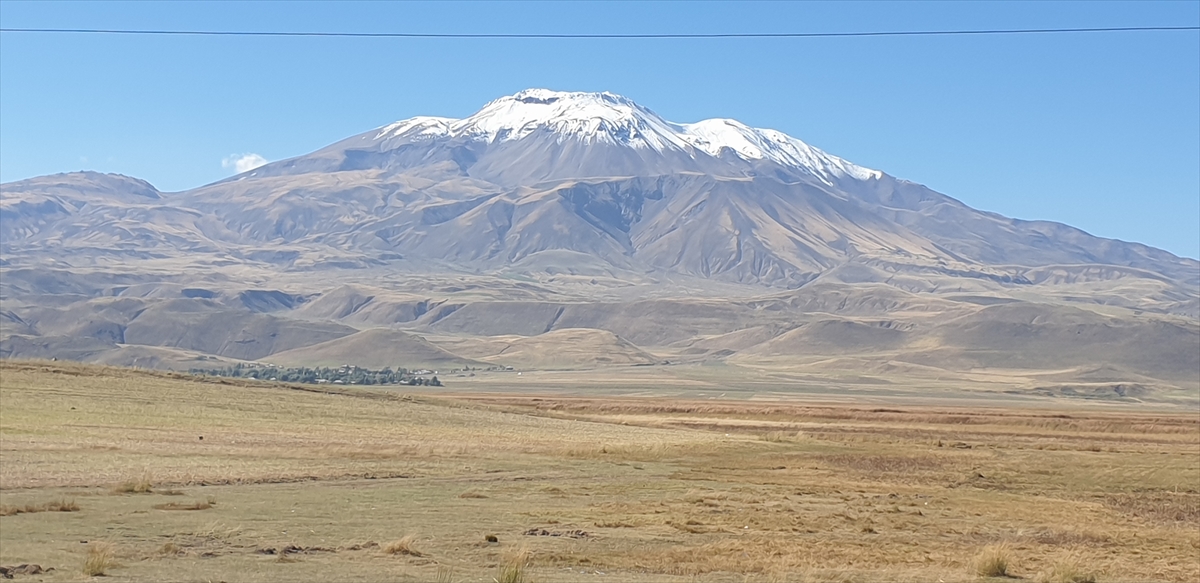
(719, 35)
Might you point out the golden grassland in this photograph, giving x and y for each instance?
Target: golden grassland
(172, 478)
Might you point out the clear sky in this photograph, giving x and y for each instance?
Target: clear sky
(1099, 131)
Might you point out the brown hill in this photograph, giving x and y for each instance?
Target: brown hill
(375, 348)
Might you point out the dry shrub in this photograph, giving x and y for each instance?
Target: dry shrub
(100, 558)
(513, 570)
(142, 485)
(472, 493)
(445, 574)
(1067, 571)
(63, 505)
(993, 561)
(403, 546)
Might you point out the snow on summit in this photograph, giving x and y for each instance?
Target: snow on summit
(610, 118)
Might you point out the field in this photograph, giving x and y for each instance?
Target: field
(155, 476)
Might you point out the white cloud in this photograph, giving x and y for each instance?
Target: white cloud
(243, 162)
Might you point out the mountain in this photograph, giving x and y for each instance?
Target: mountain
(548, 211)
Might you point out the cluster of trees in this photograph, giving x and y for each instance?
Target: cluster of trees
(348, 375)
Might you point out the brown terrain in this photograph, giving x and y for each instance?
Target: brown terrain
(159, 476)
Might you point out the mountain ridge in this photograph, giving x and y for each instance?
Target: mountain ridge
(709, 241)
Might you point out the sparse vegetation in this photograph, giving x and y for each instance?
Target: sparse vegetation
(994, 561)
(216, 531)
(63, 505)
(99, 559)
(348, 375)
(514, 568)
(170, 549)
(141, 485)
(403, 546)
(685, 490)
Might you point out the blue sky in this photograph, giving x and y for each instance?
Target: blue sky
(1100, 131)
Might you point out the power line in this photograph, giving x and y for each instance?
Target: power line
(426, 35)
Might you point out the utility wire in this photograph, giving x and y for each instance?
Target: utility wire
(425, 35)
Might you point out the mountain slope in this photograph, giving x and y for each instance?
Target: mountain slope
(375, 348)
(549, 211)
(591, 173)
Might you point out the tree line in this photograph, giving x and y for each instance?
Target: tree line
(348, 375)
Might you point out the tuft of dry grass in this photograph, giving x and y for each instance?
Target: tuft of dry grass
(100, 558)
(472, 493)
(514, 569)
(445, 574)
(170, 549)
(63, 505)
(994, 561)
(141, 485)
(403, 546)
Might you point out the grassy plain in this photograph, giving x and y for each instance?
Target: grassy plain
(152, 476)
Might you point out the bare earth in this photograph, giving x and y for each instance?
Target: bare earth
(268, 482)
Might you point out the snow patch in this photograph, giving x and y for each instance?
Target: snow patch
(613, 119)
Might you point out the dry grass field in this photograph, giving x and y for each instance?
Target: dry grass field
(159, 477)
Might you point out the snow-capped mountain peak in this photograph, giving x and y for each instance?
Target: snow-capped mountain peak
(609, 118)
(417, 127)
(712, 135)
(589, 116)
